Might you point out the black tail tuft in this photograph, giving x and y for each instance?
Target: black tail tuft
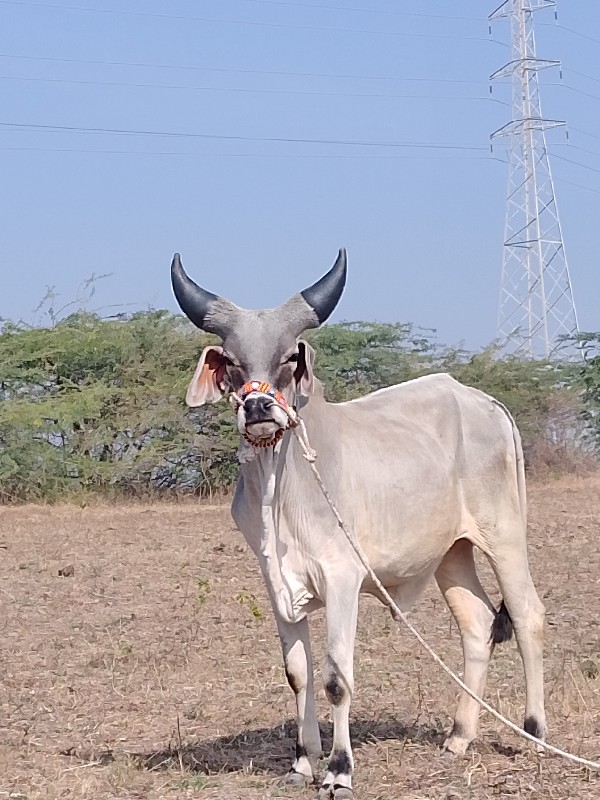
(502, 627)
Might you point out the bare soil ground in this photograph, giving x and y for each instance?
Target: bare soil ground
(139, 659)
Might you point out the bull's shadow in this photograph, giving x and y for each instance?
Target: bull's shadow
(271, 750)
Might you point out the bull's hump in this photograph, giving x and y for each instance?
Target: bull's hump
(426, 383)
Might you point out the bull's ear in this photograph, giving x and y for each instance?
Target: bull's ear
(207, 385)
(304, 371)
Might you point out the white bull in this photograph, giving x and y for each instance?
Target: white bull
(421, 472)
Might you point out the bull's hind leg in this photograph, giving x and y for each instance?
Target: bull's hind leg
(509, 561)
(475, 615)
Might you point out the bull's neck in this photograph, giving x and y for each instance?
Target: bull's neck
(276, 483)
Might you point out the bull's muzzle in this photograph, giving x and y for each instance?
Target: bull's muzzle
(258, 409)
(260, 417)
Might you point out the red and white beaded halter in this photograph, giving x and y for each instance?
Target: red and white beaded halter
(265, 388)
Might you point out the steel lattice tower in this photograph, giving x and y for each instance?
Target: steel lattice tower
(536, 310)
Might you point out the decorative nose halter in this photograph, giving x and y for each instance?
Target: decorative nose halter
(264, 388)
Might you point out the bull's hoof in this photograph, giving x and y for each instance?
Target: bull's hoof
(455, 746)
(539, 749)
(343, 793)
(336, 792)
(295, 779)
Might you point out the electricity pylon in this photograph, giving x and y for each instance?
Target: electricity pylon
(536, 316)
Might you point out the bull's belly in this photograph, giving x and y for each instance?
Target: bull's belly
(404, 560)
(403, 555)
(404, 592)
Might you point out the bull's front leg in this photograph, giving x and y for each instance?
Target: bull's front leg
(338, 676)
(297, 657)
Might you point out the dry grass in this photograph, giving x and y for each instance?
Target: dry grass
(151, 669)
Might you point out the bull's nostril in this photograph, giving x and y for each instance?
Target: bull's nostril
(257, 408)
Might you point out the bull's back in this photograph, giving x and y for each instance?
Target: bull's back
(438, 414)
(421, 458)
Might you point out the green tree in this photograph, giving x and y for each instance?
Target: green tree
(97, 406)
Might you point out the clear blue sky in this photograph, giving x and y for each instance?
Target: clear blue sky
(257, 218)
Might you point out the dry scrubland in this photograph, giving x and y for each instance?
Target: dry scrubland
(150, 668)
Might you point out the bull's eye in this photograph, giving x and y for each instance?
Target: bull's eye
(229, 362)
(293, 359)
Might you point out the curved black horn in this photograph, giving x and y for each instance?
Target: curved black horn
(323, 296)
(194, 301)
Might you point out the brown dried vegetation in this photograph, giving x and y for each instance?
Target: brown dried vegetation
(139, 659)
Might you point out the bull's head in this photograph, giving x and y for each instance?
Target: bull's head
(256, 346)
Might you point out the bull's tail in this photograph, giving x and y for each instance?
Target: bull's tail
(519, 461)
(502, 627)
(520, 468)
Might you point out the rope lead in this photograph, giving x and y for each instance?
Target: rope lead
(310, 455)
(297, 425)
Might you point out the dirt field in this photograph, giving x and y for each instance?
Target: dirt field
(138, 658)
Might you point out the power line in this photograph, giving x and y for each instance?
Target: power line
(576, 90)
(188, 135)
(255, 23)
(583, 75)
(242, 155)
(150, 65)
(326, 156)
(245, 90)
(572, 146)
(365, 10)
(558, 178)
(586, 133)
(571, 31)
(577, 163)
(578, 185)
(570, 88)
